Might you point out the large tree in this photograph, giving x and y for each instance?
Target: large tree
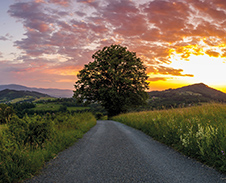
(116, 79)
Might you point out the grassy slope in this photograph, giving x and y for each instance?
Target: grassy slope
(199, 132)
(14, 96)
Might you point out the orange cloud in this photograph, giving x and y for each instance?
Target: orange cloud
(158, 31)
(212, 53)
(161, 70)
(60, 2)
(156, 79)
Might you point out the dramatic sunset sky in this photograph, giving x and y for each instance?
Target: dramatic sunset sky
(44, 43)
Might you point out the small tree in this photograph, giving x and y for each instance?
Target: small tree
(116, 79)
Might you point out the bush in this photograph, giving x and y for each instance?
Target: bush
(99, 115)
(33, 131)
(5, 113)
(27, 143)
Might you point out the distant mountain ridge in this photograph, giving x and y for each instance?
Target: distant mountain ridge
(59, 93)
(184, 96)
(205, 91)
(20, 96)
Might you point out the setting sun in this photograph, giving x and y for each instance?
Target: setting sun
(205, 68)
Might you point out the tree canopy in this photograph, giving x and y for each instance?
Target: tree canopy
(116, 79)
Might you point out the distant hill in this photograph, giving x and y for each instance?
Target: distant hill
(51, 92)
(204, 91)
(192, 94)
(14, 96)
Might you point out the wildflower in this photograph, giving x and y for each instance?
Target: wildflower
(222, 152)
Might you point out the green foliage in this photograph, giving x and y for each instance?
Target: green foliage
(63, 108)
(116, 79)
(199, 132)
(21, 108)
(99, 115)
(33, 131)
(27, 143)
(5, 113)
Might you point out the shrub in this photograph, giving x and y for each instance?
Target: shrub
(99, 115)
(27, 143)
(33, 131)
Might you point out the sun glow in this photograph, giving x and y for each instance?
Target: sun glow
(205, 68)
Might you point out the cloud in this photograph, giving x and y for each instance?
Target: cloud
(6, 37)
(212, 53)
(92, 3)
(32, 16)
(61, 40)
(157, 79)
(60, 2)
(80, 13)
(3, 38)
(162, 70)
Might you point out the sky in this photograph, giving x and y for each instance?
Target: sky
(44, 43)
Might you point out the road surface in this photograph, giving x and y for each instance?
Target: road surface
(113, 152)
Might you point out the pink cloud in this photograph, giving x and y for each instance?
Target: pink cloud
(60, 2)
(150, 29)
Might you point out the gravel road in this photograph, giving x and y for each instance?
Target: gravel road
(113, 152)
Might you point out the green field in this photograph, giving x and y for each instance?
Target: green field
(47, 106)
(77, 108)
(44, 99)
(22, 99)
(199, 132)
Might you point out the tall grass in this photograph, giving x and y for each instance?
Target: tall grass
(26, 144)
(199, 132)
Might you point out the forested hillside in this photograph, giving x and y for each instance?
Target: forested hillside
(7, 96)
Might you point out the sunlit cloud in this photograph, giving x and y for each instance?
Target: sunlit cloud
(156, 79)
(169, 36)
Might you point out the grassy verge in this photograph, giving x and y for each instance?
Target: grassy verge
(28, 143)
(199, 132)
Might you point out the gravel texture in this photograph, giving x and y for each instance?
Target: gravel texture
(113, 152)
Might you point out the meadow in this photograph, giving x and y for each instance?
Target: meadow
(27, 143)
(198, 132)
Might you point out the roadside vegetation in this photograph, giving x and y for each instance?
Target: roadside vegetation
(27, 143)
(34, 127)
(199, 132)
